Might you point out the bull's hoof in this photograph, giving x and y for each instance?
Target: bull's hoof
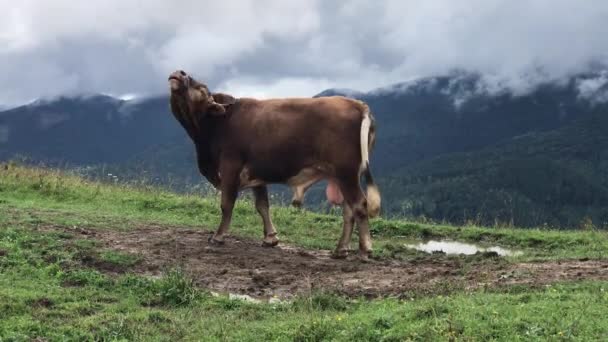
(270, 241)
(296, 204)
(215, 242)
(339, 254)
(364, 255)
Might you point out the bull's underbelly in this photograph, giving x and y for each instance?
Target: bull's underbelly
(298, 182)
(305, 177)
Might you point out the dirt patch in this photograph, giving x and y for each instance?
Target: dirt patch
(42, 303)
(104, 266)
(243, 266)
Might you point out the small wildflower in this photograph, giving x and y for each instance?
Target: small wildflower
(338, 318)
(561, 333)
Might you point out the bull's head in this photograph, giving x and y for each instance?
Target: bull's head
(194, 95)
(191, 102)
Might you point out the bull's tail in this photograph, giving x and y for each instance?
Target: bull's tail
(368, 138)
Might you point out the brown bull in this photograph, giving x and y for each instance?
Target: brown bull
(249, 143)
(333, 195)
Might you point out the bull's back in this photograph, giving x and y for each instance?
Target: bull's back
(281, 136)
(287, 120)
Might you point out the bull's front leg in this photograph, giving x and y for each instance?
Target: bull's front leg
(262, 205)
(229, 186)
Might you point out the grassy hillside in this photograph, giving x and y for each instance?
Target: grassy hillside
(87, 130)
(558, 178)
(417, 121)
(60, 280)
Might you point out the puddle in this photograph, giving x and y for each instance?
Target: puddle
(455, 247)
(249, 299)
(244, 298)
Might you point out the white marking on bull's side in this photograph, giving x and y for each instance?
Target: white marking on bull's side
(365, 126)
(373, 193)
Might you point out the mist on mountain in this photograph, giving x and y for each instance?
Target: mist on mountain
(424, 126)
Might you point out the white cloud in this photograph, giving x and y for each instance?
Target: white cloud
(276, 47)
(594, 89)
(283, 87)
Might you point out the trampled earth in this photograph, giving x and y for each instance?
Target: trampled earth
(243, 266)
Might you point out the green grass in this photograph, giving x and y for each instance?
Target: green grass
(119, 258)
(49, 288)
(43, 197)
(52, 298)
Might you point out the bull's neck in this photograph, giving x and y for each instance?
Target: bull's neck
(208, 148)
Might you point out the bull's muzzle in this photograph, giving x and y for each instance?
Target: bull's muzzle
(178, 79)
(174, 84)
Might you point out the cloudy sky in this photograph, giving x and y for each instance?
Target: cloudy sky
(288, 48)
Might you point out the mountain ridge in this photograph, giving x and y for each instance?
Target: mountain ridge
(417, 121)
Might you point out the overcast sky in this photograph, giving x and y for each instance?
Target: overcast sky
(271, 48)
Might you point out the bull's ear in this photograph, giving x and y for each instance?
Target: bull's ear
(224, 99)
(216, 109)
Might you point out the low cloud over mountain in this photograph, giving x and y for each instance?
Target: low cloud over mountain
(292, 48)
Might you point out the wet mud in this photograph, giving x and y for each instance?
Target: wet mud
(243, 266)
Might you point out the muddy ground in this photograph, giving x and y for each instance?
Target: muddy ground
(242, 266)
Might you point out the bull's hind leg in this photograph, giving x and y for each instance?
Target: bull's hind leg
(299, 190)
(347, 230)
(298, 196)
(262, 206)
(354, 197)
